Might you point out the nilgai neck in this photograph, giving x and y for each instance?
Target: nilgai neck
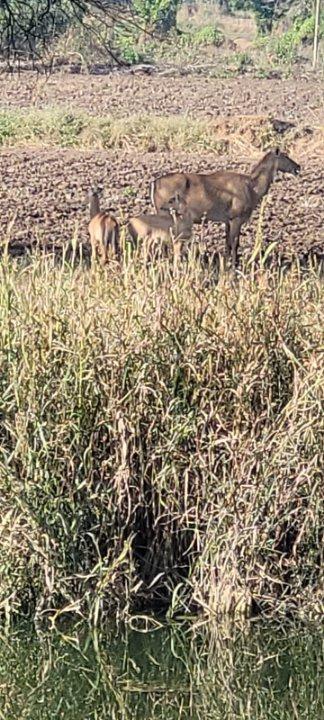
(262, 176)
(94, 203)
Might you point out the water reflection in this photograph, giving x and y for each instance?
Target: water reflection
(263, 673)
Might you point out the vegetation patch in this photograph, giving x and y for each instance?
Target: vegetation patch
(302, 31)
(160, 440)
(145, 132)
(205, 35)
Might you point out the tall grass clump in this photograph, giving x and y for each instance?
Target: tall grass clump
(161, 441)
(80, 130)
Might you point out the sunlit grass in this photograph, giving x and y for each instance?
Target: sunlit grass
(161, 440)
(63, 128)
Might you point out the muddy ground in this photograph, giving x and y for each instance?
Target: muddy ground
(43, 194)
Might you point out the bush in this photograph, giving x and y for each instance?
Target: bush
(206, 35)
(286, 46)
(126, 44)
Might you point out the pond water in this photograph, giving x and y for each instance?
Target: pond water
(262, 673)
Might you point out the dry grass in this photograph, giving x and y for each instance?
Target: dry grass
(161, 440)
(50, 127)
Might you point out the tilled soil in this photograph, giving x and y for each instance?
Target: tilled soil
(43, 194)
(298, 99)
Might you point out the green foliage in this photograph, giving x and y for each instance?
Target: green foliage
(150, 11)
(58, 128)
(238, 63)
(235, 5)
(51, 127)
(264, 14)
(286, 45)
(126, 44)
(206, 35)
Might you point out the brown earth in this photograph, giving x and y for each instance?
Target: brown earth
(298, 99)
(43, 194)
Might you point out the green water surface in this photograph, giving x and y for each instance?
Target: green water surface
(261, 672)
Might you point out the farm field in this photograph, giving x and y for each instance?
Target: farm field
(43, 195)
(161, 443)
(161, 415)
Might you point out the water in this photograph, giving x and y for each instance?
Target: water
(262, 673)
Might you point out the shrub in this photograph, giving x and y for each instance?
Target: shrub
(203, 36)
(126, 43)
(286, 46)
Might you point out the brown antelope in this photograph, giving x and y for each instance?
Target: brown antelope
(173, 222)
(224, 196)
(103, 230)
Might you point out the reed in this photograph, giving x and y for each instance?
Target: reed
(161, 440)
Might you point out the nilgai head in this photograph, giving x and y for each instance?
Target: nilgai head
(176, 206)
(94, 202)
(285, 163)
(94, 191)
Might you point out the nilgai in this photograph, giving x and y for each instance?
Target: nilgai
(103, 230)
(224, 196)
(173, 222)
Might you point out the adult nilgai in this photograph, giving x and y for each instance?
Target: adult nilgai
(224, 196)
(103, 230)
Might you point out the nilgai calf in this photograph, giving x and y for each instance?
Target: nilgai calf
(172, 223)
(223, 196)
(103, 230)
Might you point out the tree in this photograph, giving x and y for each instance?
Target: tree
(168, 17)
(28, 26)
(268, 12)
(160, 15)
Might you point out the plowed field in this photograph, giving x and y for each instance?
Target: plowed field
(43, 194)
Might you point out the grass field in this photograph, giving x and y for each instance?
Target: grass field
(161, 439)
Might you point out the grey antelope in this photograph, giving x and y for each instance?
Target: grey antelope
(103, 230)
(173, 222)
(224, 196)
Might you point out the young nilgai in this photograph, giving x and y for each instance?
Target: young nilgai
(224, 196)
(172, 223)
(103, 230)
